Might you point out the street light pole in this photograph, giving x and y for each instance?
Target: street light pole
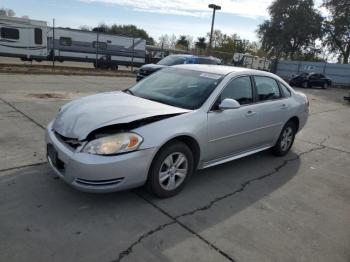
(214, 7)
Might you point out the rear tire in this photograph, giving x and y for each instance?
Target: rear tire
(170, 170)
(285, 140)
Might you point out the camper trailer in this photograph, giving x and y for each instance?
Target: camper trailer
(249, 61)
(30, 39)
(104, 50)
(23, 38)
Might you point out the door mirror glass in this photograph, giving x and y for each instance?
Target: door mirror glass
(229, 103)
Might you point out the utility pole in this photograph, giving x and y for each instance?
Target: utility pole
(97, 44)
(214, 7)
(53, 44)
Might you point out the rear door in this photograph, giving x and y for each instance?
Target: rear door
(271, 108)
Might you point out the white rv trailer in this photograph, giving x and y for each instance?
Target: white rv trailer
(31, 39)
(23, 38)
(250, 61)
(106, 49)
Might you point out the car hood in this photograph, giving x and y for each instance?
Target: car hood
(80, 117)
(152, 67)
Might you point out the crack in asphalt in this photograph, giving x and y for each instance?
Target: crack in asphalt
(244, 185)
(330, 147)
(24, 166)
(175, 219)
(129, 250)
(22, 113)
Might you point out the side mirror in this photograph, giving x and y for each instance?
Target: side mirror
(229, 103)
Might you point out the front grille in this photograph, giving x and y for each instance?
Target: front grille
(108, 182)
(71, 142)
(52, 155)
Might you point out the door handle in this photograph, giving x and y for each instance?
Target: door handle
(284, 106)
(250, 113)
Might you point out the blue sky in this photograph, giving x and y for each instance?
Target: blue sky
(157, 17)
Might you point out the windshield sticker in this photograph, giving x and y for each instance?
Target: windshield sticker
(212, 76)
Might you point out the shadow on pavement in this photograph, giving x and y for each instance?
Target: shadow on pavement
(41, 217)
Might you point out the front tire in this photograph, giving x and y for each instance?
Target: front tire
(170, 170)
(285, 140)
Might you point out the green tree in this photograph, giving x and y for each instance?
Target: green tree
(182, 42)
(127, 30)
(337, 28)
(7, 12)
(217, 39)
(85, 28)
(294, 25)
(233, 44)
(201, 43)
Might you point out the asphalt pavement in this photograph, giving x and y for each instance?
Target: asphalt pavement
(259, 208)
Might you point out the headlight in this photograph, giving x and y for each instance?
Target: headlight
(115, 144)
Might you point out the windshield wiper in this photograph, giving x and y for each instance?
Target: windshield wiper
(129, 91)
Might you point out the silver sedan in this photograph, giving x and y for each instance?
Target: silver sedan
(159, 131)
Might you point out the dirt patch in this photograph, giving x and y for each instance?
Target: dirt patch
(61, 70)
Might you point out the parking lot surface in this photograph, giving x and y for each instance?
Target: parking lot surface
(259, 208)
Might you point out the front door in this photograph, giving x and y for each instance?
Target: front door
(232, 131)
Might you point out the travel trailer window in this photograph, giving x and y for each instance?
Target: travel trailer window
(9, 33)
(38, 36)
(66, 41)
(99, 45)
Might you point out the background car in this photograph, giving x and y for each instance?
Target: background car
(347, 98)
(308, 80)
(171, 60)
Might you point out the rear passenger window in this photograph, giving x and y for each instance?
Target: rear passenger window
(285, 90)
(267, 88)
(206, 61)
(239, 89)
(38, 36)
(9, 33)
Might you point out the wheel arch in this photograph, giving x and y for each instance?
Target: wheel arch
(192, 144)
(296, 121)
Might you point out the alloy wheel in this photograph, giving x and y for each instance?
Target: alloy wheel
(173, 171)
(287, 138)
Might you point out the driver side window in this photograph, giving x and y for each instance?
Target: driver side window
(239, 89)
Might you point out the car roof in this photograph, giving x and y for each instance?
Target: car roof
(181, 55)
(199, 56)
(220, 69)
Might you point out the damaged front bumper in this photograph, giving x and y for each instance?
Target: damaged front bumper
(95, 173)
